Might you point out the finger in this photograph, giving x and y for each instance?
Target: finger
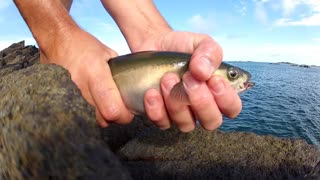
(155, 109)
(225, 96)
(179, 112)
(82, 84)
(206, 58)
(101, 122)
(202, 102)
(106, 96)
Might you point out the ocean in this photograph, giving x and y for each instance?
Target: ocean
(285, 102)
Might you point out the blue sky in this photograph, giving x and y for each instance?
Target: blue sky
(248, 30)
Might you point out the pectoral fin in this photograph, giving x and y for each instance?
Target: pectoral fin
(179, 93)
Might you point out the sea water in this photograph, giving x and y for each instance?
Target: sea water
(285, 102)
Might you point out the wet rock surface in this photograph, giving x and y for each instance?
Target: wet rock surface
(48, 131)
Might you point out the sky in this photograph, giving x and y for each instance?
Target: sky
(247, 30)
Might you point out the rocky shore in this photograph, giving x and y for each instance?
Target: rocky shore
(48, 131)
(298, 65)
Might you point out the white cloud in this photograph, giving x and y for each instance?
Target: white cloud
(317, 40)
(95, 24)
(109, 34)
(289, 6)
(4, 3)
(290, 10)
(120, 47)
(260, 12)
(115, 41)
(200, 23)
(307, 21)
(242, 8)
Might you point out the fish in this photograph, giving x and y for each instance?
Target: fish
(135, 73)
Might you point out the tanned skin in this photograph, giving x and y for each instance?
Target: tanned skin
(63, 42)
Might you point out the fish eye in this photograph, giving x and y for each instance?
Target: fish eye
(233, 73)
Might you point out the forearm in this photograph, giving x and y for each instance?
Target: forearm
(48, 21)
(137, 20)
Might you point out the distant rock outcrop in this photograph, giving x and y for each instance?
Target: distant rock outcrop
(48, 131)
(293, 64)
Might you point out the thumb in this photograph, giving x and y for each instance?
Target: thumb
(206, 58)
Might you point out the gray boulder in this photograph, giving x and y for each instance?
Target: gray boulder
(170, 154)
(48, 131)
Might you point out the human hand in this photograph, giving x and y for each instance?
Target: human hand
(210, 96)
(85, 58)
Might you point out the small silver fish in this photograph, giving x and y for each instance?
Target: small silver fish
(135, 73)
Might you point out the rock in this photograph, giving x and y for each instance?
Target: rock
(314, 174)
(48, 131)
(116, 136)
(304, 66)
(200, 154)
(15, 46)
(17, 56)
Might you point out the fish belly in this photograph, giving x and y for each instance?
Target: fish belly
(133, 84)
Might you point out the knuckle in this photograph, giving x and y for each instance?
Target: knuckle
(213, 49)
(174, 110)
(206, 37)
(201, 101)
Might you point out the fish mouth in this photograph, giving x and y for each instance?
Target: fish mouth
(248, 85)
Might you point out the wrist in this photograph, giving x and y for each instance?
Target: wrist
(58, 40)
(137, 20)
(49, 22)
(141, 37)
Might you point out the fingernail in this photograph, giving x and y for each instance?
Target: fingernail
(190, 82)
(206, 65)
(164, 127)
(187, 128)
(104, 124)
(218, 87)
